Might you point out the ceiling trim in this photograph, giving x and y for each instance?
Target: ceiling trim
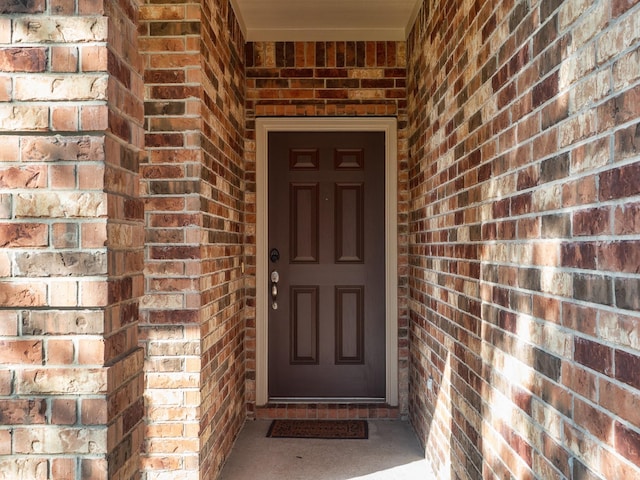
(325, 34)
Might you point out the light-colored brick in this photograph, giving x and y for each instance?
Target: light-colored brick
(8, 323)
(60, 440)
(626, 70)
(5, 30)
(618, 38)
(61, 381)
(91, 204)
(547, 198)
(23, 117)
(25, 468)
(619, 329)
(60, 88)
(174, 301)
(366, 73)
(9, 148)
(590, 91)
(53, 29)
(60, 322)
(590, 23)
(5, 444)
(165, 13)
(6, 89)
(556, 283)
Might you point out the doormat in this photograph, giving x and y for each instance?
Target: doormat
(330, 429)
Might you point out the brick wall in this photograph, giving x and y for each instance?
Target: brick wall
(193, 322)
(124, 149)
(70, 240)
(518, 226)
(223, 209)
(523, 222)
(326, 79)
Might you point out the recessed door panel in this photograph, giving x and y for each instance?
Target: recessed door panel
(304, 222)
(303, 159)
(304, 325)
(349, 159)
(349, 222)
(350, 325)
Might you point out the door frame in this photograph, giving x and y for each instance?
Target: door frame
(388, 125)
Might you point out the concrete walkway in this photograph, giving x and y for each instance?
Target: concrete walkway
(391, 452)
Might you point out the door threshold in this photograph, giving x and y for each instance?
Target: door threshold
(327, 408)
(329, 400)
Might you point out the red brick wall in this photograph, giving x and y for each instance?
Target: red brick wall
(170, 320)
(518, 217)
(193, 185)
(523, 225)
(70, 240)
(222, 202)
(124, 148)
(326, 79)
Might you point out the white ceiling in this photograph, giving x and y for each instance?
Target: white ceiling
(325, 20)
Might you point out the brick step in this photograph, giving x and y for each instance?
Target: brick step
(281, 411)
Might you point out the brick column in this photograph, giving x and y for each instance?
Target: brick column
(193, 181)
(71, 239)
(170, 331)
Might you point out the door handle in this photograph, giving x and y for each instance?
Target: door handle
(275, 278)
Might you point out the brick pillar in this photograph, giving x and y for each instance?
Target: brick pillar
(71, 238)
(170, 328)
(193, 182)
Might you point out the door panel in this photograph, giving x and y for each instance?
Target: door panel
(350, 325)
(303, 225)
(304, 325)
(326, 218)
(349, 221)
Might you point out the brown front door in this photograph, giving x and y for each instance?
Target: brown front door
(326, 225)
